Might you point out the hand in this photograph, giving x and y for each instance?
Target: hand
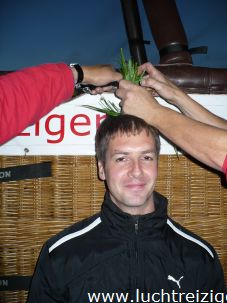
(103, 89)
(100, 75)
(161, 84)
(137, 101)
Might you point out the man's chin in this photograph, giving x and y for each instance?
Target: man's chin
(135, 201)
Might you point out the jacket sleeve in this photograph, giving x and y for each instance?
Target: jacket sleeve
(211, 276)
(29, 94)
(44, 285)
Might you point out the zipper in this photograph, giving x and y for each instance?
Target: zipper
(136, 227)
(134, 260)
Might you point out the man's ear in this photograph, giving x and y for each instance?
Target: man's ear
(101, 171)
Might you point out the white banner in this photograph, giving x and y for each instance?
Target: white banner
(70, 128)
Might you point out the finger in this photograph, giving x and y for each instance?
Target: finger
(96, 91)
(152, 91)
(125, 84)
(103, 89)
(117, 76)
(151, 83)
(121, 105)
(120, 93)
(109, 88)
(146, 67)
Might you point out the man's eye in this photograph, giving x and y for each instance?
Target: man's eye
(148, 158)
(120, 159)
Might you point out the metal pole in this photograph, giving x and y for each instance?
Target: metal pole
(134, 31)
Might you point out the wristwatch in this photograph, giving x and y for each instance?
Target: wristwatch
(80, 73)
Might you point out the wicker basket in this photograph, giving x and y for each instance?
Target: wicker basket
(33, 210)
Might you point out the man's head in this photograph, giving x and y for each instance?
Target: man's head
(127, 150)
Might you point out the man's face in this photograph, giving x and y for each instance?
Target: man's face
(130, 171)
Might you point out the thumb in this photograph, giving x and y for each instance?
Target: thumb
(125, 87)
(125, 84)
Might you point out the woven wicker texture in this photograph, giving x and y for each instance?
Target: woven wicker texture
(33, 210)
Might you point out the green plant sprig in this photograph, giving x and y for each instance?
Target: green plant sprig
(107, 107)
(129, 71)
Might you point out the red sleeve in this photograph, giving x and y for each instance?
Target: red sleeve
(224, 167)
(29, 94)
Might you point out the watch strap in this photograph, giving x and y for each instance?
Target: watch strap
(80, 73)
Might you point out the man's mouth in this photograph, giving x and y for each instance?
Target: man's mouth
(135, 186)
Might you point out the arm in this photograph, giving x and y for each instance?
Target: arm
(174, 95)
(29, 94)
(206, 143)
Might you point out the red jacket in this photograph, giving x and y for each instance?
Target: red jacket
(224, 167)
(29, 94)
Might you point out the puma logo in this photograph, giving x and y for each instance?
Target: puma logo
(171, 278)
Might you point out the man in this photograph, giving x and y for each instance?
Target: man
(198, 132)
(131, 247)
(29, 94)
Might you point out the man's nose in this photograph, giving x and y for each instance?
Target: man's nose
(135, 169)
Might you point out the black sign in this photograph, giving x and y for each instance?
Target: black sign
(30, 171)
(14, 282)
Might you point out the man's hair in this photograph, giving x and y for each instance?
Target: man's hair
(122, 124)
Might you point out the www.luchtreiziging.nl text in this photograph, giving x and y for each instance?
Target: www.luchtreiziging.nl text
(160, 297)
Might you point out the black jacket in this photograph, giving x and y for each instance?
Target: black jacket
(114, 252)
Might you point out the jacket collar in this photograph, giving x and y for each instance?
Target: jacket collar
(124, 223)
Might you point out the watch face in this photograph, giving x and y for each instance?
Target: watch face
(72, 64)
